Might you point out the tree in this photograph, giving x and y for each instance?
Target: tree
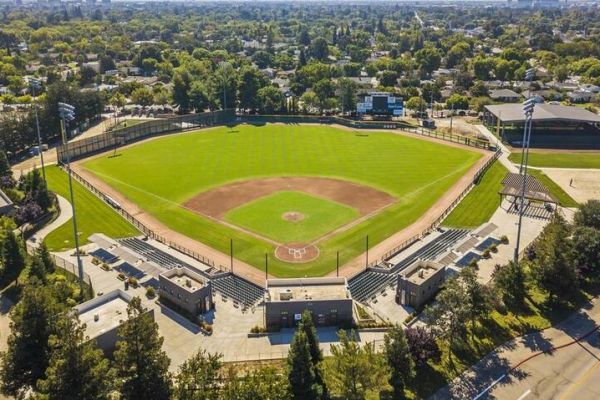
(388, 78)
(86, 75)
(429, 59)
(181, 87)
(399, 360)
(449, 315)
(479, 89)
(324, 90)
(422, 344)
(355, 369)
(457, 102)
(77, 369)
(480, 297)
(553, 266)
(509, 281)
(307, 326)
(198, 96)
(589, 214)
(142, 366)
(319, 49)
(270, 99)
(251, 80)
(482, 67)
(143, 97)
(415, 103)
(301, 370)
(4, 165)
(265, 384)
(586, 249)
(46, 258)
(347, 90)
(26, 357)
(13, 261)
(199, 377)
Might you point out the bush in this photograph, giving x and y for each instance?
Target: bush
(133, 282)
(494, 248)
(95, 261)
(257, 329)
(105, 267)
(474, 264)
(150, 292)
(121, 276)
(486, 254)
(504, 239)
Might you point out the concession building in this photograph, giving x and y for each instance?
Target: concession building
(328, 299)
(554, 125)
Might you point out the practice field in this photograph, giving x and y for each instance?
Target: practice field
(345, 184)
(560, 160)
(291, 216)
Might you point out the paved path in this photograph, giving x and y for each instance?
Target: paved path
(495, 368)
(505, 150)
(65, 214)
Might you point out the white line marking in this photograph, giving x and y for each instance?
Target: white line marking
(487, 389)
(527, 393)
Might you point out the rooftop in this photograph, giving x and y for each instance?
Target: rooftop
(302, 289)
(185, 278)
(103, 313)
(421, 271)
(543, 112)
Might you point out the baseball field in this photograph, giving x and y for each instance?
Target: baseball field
(301, 192)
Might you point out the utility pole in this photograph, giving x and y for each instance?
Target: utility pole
(36, 85)
(67, 113)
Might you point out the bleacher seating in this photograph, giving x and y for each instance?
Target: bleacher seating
(238, 289)
(154, 254)
(367, 284)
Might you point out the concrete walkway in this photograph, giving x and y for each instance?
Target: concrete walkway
(499, 366)
(65, 214)
(505, 151)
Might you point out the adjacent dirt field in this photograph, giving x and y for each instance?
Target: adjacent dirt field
(216, 202)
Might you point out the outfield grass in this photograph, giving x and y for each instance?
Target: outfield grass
(481, 202)
(560, 160)
(163, 173)
(265, 216)
(563, 197)
(93, 215)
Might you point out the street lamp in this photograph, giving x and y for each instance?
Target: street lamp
(35, 86)
(67, 113)
(528, 108)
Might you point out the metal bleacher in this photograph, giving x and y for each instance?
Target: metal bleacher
(367, 284)
(232, 286)
(238, 289)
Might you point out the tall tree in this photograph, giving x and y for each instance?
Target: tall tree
(181, 87)
(262, 384)
(589, 214)
(399, 360)
(509, 280)
(479, 295)
(142, 366)
(26, 357)
(77, 369)
(13, 260)
(586, 246)
(199, 377)
(356, 370)
(301, 370)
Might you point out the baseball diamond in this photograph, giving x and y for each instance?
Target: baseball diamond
(321, 188)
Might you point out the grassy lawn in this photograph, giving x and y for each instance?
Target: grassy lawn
(265, 216)
(560, 160)
(481, 202)
(93, 215)
(163, 173)
(563, 197)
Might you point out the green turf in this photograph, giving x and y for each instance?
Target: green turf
(560, 160)
(163, 173)
(265, 216)
(563, 197)
(93, 215)
(481, 202)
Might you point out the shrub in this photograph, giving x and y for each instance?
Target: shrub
(422, 345)
(121, 276)
(473, 264)
(504, 239)
(133, 282)
(485, 254)
(494, 248)
(105, 267)
(95, 261)
(150, 292)
(257, 329)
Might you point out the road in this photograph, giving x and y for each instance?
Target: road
(572, 372)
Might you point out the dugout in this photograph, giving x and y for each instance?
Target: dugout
(554, 126)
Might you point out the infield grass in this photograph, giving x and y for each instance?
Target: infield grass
(560, 160)
(265, 216)
(161, 174)
(93, 215)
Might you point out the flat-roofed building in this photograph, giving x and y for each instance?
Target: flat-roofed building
(6, 204)
(328, 299)
(103, 316)
(418, 282)
(186, 289)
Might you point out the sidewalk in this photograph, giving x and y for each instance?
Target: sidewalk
(505, 151)
(66, 213)
(495, 365)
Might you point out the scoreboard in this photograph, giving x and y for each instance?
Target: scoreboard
(381, 104)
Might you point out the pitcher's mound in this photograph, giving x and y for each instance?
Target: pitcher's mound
(293, 216)
(296, 252)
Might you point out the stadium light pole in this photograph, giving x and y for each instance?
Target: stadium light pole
(528, 108)
(35, 86)
(67, 113)
(529, 75)
(223, 66)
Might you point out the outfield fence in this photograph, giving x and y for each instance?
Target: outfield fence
(130, 134)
